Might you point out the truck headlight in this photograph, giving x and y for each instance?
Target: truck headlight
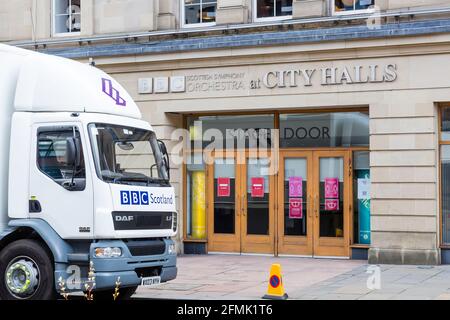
(108, 252)
(174, 221)
(172, 249)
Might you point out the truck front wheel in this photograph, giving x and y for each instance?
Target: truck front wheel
(26, 272)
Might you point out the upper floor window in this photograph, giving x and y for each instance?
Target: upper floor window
(196, 12)
(352, 6)
(272, 9)
(66, 16)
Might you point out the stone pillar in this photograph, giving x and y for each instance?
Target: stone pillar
(403, 161)
(232, 11)
(309, 8)
(42, 15)
(87, 17)
(167, 14)
(16, 20)
(117, 16)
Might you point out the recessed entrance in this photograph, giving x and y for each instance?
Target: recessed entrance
(303, 197)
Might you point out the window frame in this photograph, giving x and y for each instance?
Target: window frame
(64, 34)
(349, 12)
(196, 25)
(268, 19)
(62, 128)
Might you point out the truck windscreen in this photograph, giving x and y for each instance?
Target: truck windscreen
(126, 155)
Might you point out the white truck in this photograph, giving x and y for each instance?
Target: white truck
(84, 183)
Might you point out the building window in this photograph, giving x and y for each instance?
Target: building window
(352, 6)
(445, 174)
(66, 16)
(199, 12)
(272, 9)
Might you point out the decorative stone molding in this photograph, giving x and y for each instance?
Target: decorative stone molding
(309, 8)
(232, 11)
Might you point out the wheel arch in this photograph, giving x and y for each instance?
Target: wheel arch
(38, 230)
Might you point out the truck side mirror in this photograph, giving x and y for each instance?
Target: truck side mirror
(165, 155)
(73, 156)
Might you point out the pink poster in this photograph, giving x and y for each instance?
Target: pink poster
(332, 188)
(257, 187)
(295, 208)
(331, 204)
(295, 187)
(223, 187)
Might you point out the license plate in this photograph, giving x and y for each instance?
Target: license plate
(150, 281)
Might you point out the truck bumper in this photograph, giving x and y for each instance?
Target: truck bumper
(139, 259)
(107, 280)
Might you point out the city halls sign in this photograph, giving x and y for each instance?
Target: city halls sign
(241, 80)
(326, 76)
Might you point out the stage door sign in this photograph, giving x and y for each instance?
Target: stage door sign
(257, 187)
(223, 187)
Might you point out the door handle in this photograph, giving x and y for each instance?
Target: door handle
(311, 206)
(317, 206)
(243, 206)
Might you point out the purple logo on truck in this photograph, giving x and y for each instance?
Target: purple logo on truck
(110, 91)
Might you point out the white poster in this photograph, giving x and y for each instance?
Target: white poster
(363, 189)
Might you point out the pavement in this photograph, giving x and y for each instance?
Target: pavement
(243, 277)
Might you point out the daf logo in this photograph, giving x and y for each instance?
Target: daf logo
(124, 218)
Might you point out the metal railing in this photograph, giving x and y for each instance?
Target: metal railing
(137, 35)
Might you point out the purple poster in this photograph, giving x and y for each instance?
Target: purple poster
(332, 188)
(295, 208)
(331, 204)
(295, 187)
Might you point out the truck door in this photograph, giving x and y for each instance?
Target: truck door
(61, 191)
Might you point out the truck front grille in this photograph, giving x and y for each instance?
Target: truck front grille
(146, 248)
(142, 220)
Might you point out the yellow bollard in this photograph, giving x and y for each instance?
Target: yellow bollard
(275, 290)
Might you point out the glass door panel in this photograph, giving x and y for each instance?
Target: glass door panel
(295, 196)
(295, 220)
(223, 190)
(257, 220)
(331, 215)
(258, 197)
(224, 196)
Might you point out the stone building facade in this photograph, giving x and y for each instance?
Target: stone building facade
(356, 93)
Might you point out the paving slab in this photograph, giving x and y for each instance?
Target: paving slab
(238, 277)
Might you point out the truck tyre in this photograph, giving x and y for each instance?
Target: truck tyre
(26, 272)
(106, 295)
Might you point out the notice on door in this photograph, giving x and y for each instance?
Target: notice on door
(331, 205)
(257, 187)
(223, 187)
(295, 187)
(295, 208)
(363, 189)
(331, 188)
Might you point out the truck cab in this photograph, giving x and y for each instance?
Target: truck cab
(89, 205)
